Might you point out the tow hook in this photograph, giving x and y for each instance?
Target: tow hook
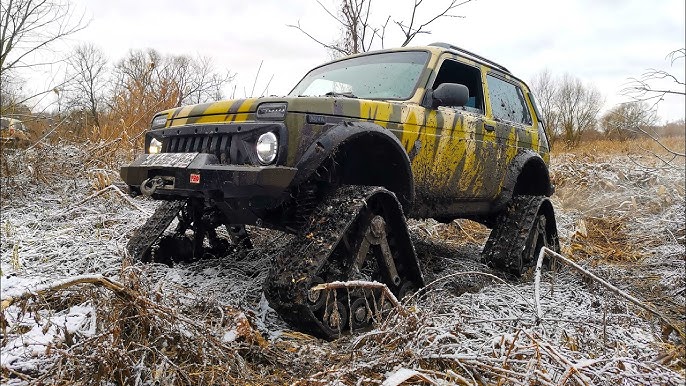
(149, 186)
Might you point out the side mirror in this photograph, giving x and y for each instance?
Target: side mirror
(450, 94)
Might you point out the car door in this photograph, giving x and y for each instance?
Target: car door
(449, 146)
(469, 146)
(508, 115)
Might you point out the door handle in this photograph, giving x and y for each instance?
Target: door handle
(489, 127)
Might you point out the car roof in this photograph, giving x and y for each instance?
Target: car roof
(475, 57)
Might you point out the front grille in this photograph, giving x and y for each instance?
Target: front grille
(217, 144)
(232, 144)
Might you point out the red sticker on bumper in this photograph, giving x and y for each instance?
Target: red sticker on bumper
(195, 178)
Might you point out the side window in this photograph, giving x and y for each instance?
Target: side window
(507, 101)
(452, 71)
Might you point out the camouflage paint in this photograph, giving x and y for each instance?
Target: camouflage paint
(452, 153)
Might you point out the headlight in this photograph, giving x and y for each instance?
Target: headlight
(155, 146)
(271, 110)
(159, 121)
(267, 146)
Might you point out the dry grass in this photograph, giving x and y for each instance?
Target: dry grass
(638, 146)
(622, 212)
(61, 166)
(142, 335)
(457, 233)
(606, 237)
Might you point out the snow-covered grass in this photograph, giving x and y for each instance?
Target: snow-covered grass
(207, 322)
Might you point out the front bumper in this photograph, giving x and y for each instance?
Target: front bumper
(201, 175)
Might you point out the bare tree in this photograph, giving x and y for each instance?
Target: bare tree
(139, 90)
(577, 106)
(359, 34)
(196, 79)
(147, 82)
(570, 108)
(545, 87)
(88, 80)
(30, 26)
(28, 30)
(628, 120)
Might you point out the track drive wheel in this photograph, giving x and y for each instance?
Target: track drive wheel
(524, 227)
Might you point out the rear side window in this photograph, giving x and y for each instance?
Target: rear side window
(507, 101)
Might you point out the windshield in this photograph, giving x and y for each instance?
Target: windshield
(391, 75)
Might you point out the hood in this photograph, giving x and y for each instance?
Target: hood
(241, 110)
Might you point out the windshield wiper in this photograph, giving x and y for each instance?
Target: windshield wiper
(340, 94)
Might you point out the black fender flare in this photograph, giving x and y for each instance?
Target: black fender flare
(330, 141)
(524, 160)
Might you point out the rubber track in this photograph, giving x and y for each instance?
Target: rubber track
(144, 237)
(508, 239)
(291, 275)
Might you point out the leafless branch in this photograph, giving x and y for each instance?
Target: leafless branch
(644, 89)
(657, 140)
(330, 14)
(31, 26)
(62, 284)
(359, 34)
(329, 46)
(410, 32)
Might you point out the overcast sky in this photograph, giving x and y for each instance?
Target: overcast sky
(602, 42)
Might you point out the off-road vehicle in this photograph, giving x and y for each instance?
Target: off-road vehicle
(13, 133)
(359, 144)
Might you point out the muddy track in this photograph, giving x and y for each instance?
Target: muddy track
(145, 236)
(325, 251)
(504, 249)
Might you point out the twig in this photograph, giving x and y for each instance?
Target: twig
(363, 284)
(127, 199)
(329, 46)
(23, 377)
(472, 239)
(99, 280)
(571, 369)
(98, 193)
(266, 88)
(537, 286)
(252, 91)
